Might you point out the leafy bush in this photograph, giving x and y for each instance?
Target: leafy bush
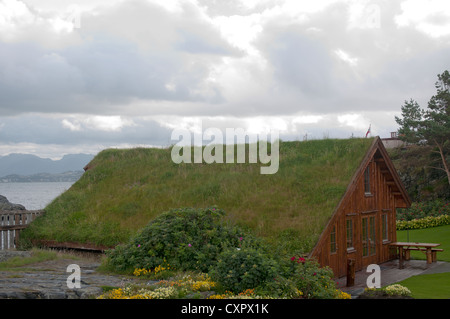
(186, 238)
(239, 269)
(189, 239)
(313, 281)
(425, 222)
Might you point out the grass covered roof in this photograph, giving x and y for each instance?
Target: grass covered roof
(124, 189)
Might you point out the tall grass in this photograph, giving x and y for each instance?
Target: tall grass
(125, 189)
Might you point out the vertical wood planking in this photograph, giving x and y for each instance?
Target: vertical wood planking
(384, 198)
(12, 223)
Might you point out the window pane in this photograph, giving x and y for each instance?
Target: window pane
(364, 238)
(372, 235)
(349, 233)
(384, 224)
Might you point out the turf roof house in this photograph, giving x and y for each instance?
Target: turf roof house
(334, 198)
(363, 223)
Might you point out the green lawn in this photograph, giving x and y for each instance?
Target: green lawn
(431, 286)
(439, 234)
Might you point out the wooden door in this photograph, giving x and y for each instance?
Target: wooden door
(368, 239)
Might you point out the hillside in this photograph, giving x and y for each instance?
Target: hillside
(124, 189)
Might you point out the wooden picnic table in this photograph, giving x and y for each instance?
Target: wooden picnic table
(429, 248)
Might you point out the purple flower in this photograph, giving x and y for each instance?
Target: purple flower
(189, 245)
(139, 245)
(240, 238)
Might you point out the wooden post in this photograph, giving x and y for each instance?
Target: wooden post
(17, 231)
(350, 272)
(400, 257)
(429, 257)
(407, 254)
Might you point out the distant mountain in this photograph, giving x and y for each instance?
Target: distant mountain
(70, 176)
(27, 164)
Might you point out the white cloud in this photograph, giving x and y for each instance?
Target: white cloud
(307, 119)
(73, 126)
(97, 123)
(13, 16)
(344, 56)
(240, 30)
(107, 123)
(364, 15)
(261, 125)
(353, 120)
(430, 17)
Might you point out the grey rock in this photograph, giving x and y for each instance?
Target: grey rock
(7, 254)
(6, 205)
(48, 280)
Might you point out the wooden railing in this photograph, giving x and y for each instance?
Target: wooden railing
(12, 222)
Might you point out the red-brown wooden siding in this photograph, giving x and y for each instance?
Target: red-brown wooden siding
(386, 195)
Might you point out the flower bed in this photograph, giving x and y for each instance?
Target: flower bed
(236, 263)
(424, 215)
(425, 222)
(420, 210)
(395, 291)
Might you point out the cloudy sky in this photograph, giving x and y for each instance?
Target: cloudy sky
(78, 76)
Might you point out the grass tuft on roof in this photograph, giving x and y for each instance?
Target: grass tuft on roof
(124, 189)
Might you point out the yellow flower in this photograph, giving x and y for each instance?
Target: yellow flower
(342, 295)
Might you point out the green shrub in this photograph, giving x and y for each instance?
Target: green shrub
(239, 269)
(280, 287)
(425, 222)
(313, 281)
(187, 238)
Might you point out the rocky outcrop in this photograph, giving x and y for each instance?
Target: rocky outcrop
(6, 205)
(48, 279)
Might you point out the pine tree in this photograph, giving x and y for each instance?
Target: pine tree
(436, 121)
(432, 125)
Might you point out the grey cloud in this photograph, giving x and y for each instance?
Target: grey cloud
(393, 63)
(133, 51)
(234, 7)
(301, 63)
(47, 130)
(137, 58)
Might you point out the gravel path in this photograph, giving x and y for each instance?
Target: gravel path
(48, 280)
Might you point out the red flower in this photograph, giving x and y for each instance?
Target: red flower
(301, 260)
(293, 258)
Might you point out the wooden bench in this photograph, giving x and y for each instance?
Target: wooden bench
(434, 251)
(405, 247)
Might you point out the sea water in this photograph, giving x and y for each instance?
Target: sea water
(35, 195)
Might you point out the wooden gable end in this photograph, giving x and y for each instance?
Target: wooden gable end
(364, 222)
